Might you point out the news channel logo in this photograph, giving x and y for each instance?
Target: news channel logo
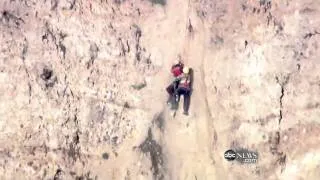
(242, 156)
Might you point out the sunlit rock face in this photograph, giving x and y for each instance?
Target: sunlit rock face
(82, 89)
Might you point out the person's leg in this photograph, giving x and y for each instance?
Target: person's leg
(177, 94)
(186, 98)
(186, 103)
(170, 90)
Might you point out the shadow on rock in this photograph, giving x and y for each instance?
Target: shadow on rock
(159, 120)
(150, 146)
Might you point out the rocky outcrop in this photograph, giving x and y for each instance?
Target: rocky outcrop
(82, 89)
(262, 58)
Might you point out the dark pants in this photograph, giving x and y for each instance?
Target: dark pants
(186, 97)
(171, 89)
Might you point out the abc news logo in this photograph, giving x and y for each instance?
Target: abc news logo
(243, 156)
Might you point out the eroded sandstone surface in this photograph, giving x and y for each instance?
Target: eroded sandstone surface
(82, 89)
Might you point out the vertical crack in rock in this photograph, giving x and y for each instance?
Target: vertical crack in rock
(74, 149)
(190, 27)
(154, 150)
(63, 49)
(93, 51)
(138, 34)
(282, 84)
(281, 105)
(128, 46)
(58, 42)
(282, 160)
(60, 46)
(24, 52)
(75, 119)
(274, 141)
(123, 50)
(269, 18)
(24, 49)
(30, 91)
(281, 156)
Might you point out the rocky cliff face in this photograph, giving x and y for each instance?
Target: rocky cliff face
(83, 89)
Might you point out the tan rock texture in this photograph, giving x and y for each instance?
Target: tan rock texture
(82, 89)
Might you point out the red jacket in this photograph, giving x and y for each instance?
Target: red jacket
(176, 70)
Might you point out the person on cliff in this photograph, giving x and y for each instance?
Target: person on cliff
(177, 71)
(184, 88)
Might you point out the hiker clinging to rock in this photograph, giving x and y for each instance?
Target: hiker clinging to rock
(184, 88)
(176, 70)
